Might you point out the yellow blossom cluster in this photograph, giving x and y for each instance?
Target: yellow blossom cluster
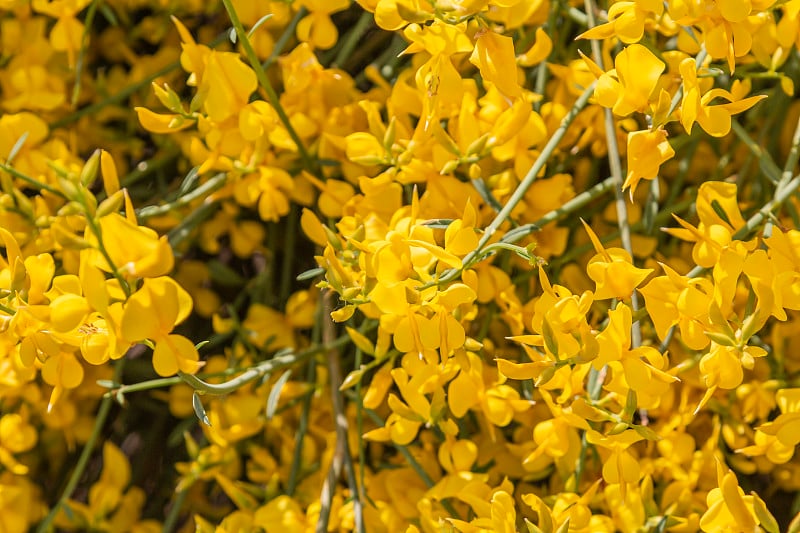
(399, 266)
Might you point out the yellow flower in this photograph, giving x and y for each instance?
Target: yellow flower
(647, 151)
(626, 20)
(614, 346)
(613, 271)
(151, 313)
(675, 300)
(621, 468)
(720, 218)
(134, 250)
(16, 436)
(778, 439)
(67, 33)
(730, 510)
(494, 56)
(695, 107)
(317, 27)
(630, 85)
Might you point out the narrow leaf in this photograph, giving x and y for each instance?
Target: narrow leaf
(275, 394)
(199, 410)
(260, 21)
(16, 148)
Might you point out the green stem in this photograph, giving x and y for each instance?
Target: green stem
(98, 233)
(213, 184)
(765, 161)
(289, 244)
(181, 232)
(83, 460)
(524, 185)
(538, 165)
(261, 75)
(569, 207)
(615, 165)
(287, 34)
(302, 429)
(33, 182)
(353, 36)
(792, 158)
(115, 98)
(276, 363)
(143, 386)
(87, 27)
(171, 521)
(8, 310)
(413, 463)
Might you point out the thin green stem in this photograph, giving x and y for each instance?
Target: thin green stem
(33, 182)
(115, 98)
(353, 36)
(792, 158)
(289, 244)
(144, 385)
(568, 208)
(525, 184)
(272, 96)
(413, 463)
(87, 28)
(182, 231)
(98, 233)
(276, 363)
(302, 429)
(214, 183)
(83, 460)
(362, 452)
(615, 165)
(765, 161)
(171, 520)
(538, 165)
(342, 456)
(8, 310)
(287, 34)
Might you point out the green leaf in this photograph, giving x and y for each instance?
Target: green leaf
(549, 338)
(275, 394)
(646, 432)
(532, 528)
(224, 275)
(258, 23)
(715, 205)
(199, 410)
(353, 378)
(16, 148)
(310, 274)
(662, 525)
(438, 223)
(765, 518)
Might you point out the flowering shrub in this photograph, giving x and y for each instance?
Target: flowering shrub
(399, 265)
